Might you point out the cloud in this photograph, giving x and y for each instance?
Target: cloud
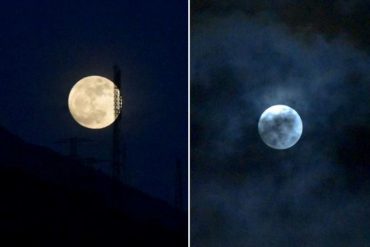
(302, 17)
(245, 194)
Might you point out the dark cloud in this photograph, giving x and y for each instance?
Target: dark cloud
(246, 194)
(329, 18)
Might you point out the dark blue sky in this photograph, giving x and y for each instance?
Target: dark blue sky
(47, 46)
(313, 56)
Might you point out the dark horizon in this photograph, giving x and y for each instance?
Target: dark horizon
(51, 199)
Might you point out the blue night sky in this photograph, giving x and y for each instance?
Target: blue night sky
(314, 57)
(47, 46)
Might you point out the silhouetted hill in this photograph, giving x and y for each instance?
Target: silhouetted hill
(50, 200)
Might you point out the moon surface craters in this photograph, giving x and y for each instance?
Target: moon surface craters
(91, 102)
(280, 127)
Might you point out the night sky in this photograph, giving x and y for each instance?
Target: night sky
(47, 46)
(313, 56)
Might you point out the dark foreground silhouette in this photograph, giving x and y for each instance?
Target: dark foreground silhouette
(51, 200)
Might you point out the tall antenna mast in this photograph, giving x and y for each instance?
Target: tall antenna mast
(117, 161)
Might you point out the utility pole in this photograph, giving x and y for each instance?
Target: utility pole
(73, 143)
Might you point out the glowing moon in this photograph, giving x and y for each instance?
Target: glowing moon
(92, 102)
(280, 127)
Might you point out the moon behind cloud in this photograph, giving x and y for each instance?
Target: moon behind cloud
(280, 127)
(91, 102)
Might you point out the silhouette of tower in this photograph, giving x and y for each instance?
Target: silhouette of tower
(178, 186)
(117, 157)
(73, 143)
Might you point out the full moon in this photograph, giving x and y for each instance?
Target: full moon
(92, 102)
(280, 127)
